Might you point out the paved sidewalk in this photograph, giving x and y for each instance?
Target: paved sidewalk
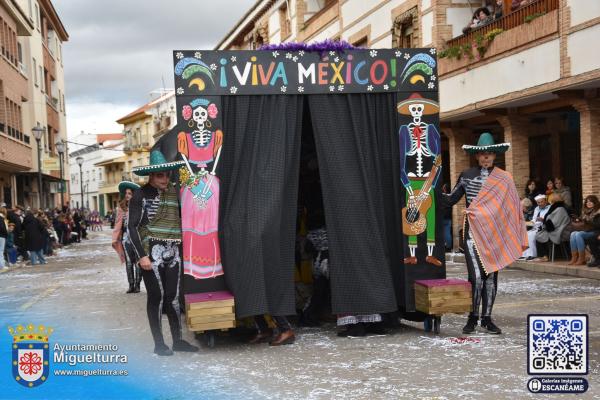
(558, 267)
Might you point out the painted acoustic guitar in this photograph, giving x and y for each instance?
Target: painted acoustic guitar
(414, 220)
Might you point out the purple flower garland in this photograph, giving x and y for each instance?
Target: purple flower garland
(321, 47)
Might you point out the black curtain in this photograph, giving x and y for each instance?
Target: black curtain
(357, 146)
(259, 171)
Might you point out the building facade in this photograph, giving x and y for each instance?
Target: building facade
(31, 95)
(15, 141)
(141, 128)
(85, 182)
(531, 76)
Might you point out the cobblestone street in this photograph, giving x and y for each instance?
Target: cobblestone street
(81, 294)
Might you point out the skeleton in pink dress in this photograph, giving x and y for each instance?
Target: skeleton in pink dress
(200, 193)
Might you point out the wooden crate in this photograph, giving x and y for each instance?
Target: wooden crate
(209, 311)
(443, 296)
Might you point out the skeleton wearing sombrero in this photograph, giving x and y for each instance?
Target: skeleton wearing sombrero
(420, 145)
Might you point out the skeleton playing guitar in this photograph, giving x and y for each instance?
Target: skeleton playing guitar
(414, 215)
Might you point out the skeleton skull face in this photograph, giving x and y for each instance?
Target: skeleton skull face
(200, 115)
(416, 110)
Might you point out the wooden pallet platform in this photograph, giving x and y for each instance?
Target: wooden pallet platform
(443, 296)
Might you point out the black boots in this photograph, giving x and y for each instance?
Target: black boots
(182, 345)
(131, 289)
(470, 326)
(486, 323)
(162, 349)
(490, 327)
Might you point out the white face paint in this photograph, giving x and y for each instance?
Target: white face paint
(416, 110)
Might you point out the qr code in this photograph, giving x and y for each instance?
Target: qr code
(557, 344)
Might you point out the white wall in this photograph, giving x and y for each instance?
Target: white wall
(426, 29)
(353, 9)
(380, 20)
(330, 31)
(529, 68)
(458, 18)
(583, 10)
(583, 57)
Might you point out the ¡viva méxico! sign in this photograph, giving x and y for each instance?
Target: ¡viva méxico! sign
(215, 73)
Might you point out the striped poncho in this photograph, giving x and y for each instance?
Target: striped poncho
(165, 225)
(496, 222)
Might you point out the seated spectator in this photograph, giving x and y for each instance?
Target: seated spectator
(534, 225)
(527, 208)
(549, 187)
(532, 190)
(564, 191)
(554, 223)
(583, 229)
(594, 243)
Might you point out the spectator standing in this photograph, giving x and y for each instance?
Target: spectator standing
(11, 250)
(498, 9)
(77, 225)
(583, 229)
(3, 236)
(34, 238)
(16, 217)
(481, 17)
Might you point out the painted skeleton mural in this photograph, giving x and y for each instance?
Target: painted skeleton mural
(420, 148)
(200, 189)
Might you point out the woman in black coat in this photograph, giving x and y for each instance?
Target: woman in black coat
(34, 238)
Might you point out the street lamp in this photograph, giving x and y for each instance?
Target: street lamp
(60, 148)
(80, 163)
(38, 131)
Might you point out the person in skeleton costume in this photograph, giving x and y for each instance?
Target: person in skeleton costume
(154, 229)
(200, 190)
(494, 229)
(420, 147)
(120, 238)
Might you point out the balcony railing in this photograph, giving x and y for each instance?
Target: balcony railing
(509, 21)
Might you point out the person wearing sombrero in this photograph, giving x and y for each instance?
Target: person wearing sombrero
(420, 148)
(120, 238)
(494, 233)
(154, 229)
